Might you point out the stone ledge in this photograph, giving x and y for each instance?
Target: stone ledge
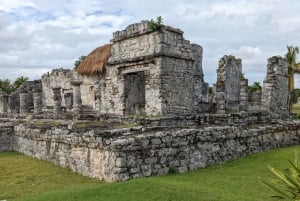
(139, 29)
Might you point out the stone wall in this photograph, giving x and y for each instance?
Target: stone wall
(25, 96)
(57, 78)
(4, 104)
(189, 149)
(14, 102)
(255, 97)
(122, 154)
(88, 89)
(63, 78)
(275, 92)
(6, 137)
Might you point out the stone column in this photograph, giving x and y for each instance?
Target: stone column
(3, 102)
(24, 96)
(14, 102)
(37, 101)
(98, 95)
(57, 99)
(244, 97)
(228, 83)
(77, 102)
(98, 99)
(220, 97)
(275, 92)
(255, 97)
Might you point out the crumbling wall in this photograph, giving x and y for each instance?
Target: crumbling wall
(6, 137)
(25, 95)
(172, 70)
(275, 92)
(14, 102)
(88, 88)
(4, 104)
(114, 155)
(57, 78)
(228, 84)
(63, 78)
(255, 97)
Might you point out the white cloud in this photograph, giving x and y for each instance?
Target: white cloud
(50, 34)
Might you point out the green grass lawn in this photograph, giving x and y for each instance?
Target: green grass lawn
(296, 108)
(24, 178)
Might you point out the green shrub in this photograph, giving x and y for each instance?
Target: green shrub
(173, 170)
(156, 25)
(254, 87)
(287, 183)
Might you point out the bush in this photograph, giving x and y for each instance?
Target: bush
(173, 170)
(254, 87)
(287, 183)
(156, 25)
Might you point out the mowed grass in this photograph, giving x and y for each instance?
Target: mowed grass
(296, 108)
(26, 179)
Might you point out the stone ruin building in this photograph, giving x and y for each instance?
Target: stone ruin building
(139, 106)
(141, 72)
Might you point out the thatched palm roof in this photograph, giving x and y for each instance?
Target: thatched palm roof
(94, 63)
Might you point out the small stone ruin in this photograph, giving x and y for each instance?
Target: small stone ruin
(140, 106)
(275, 92)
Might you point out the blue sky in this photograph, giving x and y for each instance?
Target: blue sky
(37, 36)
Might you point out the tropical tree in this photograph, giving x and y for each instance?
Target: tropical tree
(5, 86)
(254, 87)
(293, 68)
(8, 87)
(19, 81)
(78, 62)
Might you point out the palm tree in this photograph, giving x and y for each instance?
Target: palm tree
(293, 68)
(19, 81)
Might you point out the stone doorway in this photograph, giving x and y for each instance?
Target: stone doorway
(134, 90)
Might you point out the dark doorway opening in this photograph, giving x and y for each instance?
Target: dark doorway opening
(134, 93)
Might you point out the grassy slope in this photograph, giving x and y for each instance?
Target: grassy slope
(296, 108)
(21, 175)
(27, 179)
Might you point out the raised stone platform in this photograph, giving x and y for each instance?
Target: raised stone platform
(116, 149)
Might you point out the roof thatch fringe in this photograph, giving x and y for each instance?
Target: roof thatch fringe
(94, 63)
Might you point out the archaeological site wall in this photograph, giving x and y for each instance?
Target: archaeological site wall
(150, 149)
(62, 78)
(143, 110)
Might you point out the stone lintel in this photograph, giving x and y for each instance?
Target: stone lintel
(76, 82)
(56, 88)
(36, 91)
(135, 70)
(147, 59)
(142, 28)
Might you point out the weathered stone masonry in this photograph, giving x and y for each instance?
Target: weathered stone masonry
(275, 92)
(154, 80)
(169, 69)
(228, 84)
(122, 154)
